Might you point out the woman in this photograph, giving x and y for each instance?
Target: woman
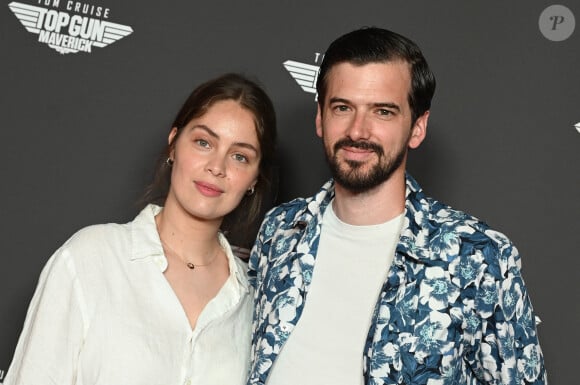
(162, 299)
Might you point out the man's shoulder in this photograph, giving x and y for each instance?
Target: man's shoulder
(293, 206)
(450, 233)
(444, 215)
(285, 215)
(302, 208)
(439, 217)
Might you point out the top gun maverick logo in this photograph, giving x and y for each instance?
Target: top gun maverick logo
(69, 32)
(305, 74)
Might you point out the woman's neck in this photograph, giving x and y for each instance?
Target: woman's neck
(189, 237)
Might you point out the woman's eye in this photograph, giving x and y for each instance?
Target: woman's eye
(240, 158)
(202, 142)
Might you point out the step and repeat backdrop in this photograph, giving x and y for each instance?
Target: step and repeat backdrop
(89, 91)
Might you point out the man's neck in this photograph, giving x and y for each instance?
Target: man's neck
(377, 205)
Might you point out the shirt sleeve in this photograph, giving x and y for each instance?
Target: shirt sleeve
(507, 350)
(50, 342)
(256, 266)
(255, 257)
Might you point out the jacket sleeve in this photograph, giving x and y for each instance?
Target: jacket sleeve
(507, 350)
(50, 342)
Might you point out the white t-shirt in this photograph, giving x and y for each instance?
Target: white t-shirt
(104, 314)
(326, 346)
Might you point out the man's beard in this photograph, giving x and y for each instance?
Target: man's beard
(353, 178)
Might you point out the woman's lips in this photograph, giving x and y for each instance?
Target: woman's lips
(208, 189)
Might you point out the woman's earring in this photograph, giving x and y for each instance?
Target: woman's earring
(169, 161)
(250, 191)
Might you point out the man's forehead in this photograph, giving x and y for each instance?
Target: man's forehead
(376, 83)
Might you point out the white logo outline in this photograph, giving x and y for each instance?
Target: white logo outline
(30, 17)
(304, 74)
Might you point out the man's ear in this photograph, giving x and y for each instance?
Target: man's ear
(318, 122)
(419, 130)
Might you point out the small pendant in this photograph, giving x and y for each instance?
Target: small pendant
(190, 265)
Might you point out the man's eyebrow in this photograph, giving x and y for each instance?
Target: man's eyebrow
(215, 135)
(338, 100)
(393, 106)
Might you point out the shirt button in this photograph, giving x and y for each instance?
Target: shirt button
(161, 262)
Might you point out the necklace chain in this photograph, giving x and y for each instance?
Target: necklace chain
(189, 264)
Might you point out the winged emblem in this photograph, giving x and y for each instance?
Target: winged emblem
(30, 17)
(577, 125)
(113, 32)
(304, 74)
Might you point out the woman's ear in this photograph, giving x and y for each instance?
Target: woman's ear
(171, 136)
(170, 142)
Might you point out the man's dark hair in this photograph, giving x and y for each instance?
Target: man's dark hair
(377, 45)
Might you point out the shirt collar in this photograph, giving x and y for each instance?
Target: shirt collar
(236, 265)
(147, 244)
(415, 231)
(144, 236)
(315, 206)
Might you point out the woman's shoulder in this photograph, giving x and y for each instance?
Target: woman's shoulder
(96, 247)
(112, 234)
(97, 235)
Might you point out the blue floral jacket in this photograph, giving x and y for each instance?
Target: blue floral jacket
(453, 311)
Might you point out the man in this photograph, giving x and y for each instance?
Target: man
(370, 281)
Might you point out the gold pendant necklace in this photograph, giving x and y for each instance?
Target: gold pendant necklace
(189, 264)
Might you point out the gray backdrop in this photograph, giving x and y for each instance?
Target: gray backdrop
(80, 132)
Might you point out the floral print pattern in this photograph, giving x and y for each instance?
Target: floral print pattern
(454, 309)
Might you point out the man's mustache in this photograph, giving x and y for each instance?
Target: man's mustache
(362, 144)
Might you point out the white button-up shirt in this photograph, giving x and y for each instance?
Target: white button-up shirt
(104, 313)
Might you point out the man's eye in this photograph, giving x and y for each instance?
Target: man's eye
(384, 112)
(341, 108)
